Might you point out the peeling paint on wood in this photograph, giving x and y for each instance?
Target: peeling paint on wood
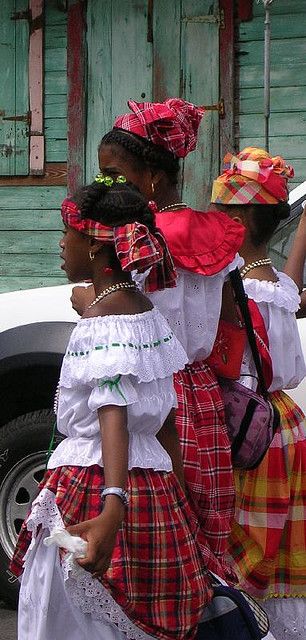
(76, 93)
(36, 88)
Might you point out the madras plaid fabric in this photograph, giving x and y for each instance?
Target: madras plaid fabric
(252, 177)
(207, 463)
(172, 124)
(268, 540)
(136, 247)
(156, 573)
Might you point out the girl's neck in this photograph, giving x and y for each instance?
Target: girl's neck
(250, 253)
(167, 197)
(102, 280)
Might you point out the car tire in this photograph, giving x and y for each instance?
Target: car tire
(23, 446)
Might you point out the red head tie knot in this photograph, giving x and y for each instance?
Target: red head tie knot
(172, 124)
(137, 250)
(136, 247)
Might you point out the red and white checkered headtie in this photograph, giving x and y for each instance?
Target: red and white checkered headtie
(136, 247)
(172, 124)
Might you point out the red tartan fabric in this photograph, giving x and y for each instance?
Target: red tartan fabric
(172, 124)
(136, 247)
(207, 462)
(156, 574)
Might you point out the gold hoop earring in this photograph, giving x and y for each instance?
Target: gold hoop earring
(152, 187)
(91, 256)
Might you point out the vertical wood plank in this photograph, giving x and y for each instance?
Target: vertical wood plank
(14, 89)
(7, 98)
(119, 66)
(76, 93)
(227, 79)
(132, 72)
(36, 88)
(99, 79)
(200, 53)
(166, 49)
(21, 91)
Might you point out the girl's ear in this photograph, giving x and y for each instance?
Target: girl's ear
(95, 246)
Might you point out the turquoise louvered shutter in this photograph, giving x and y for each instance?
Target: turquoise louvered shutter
(14, 94)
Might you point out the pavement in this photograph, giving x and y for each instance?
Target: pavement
(8, 623)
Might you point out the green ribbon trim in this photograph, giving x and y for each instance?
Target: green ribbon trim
(51, 443)
(112, 383)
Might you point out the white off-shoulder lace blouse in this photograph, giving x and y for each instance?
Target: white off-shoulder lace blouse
(277, 303)
(124, 360)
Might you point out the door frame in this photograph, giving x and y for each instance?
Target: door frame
(76, 71)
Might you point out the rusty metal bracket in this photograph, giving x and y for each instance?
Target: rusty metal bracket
(219, 106)
(24, 118)
(218, 19)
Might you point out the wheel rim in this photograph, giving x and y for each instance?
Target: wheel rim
(17, 491)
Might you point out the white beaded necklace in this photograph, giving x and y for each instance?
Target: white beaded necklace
(112, 289)
(181, 205)
(253, 265)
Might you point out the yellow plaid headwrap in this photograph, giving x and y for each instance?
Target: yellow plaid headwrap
(252, 177)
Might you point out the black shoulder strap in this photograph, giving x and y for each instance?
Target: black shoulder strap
(242, 301)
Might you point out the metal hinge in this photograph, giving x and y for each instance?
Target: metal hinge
(218, 19)
(22, 15)
(24, 118)
(219, 106)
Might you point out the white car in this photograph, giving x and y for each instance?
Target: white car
(34, 329)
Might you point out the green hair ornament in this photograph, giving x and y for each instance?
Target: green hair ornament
(108, 180)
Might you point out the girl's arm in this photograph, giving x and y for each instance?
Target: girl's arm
(100, 532)
(168, 438)
(294, 266)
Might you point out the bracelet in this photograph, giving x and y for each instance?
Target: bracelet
(116, 491)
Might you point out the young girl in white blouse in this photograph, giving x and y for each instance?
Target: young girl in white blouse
(268, 539)
(110, 481)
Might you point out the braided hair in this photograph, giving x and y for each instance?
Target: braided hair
(114, 205)
(144, 152)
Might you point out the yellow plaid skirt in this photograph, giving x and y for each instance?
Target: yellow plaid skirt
(268, 540)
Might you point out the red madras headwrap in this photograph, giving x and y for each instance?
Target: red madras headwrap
(136, 247)
(252, 177)
(172, 124)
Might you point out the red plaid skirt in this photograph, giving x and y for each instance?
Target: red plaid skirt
(156, 573)
(207, 462)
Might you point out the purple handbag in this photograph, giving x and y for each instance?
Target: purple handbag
(251, 422)
(250, 416)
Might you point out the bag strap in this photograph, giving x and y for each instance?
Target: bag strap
(242, 301)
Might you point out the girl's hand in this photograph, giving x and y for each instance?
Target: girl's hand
(100, 534)
(81, 298)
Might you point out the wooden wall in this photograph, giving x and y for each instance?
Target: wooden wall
(29, 208)
(172, 50)
(288, 82)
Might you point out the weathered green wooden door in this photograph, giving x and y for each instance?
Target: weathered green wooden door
(14, 100)
(172, 52)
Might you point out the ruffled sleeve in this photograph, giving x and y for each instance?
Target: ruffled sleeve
(102, 350)
(118, 390)
(278, 303)
(203, 242)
